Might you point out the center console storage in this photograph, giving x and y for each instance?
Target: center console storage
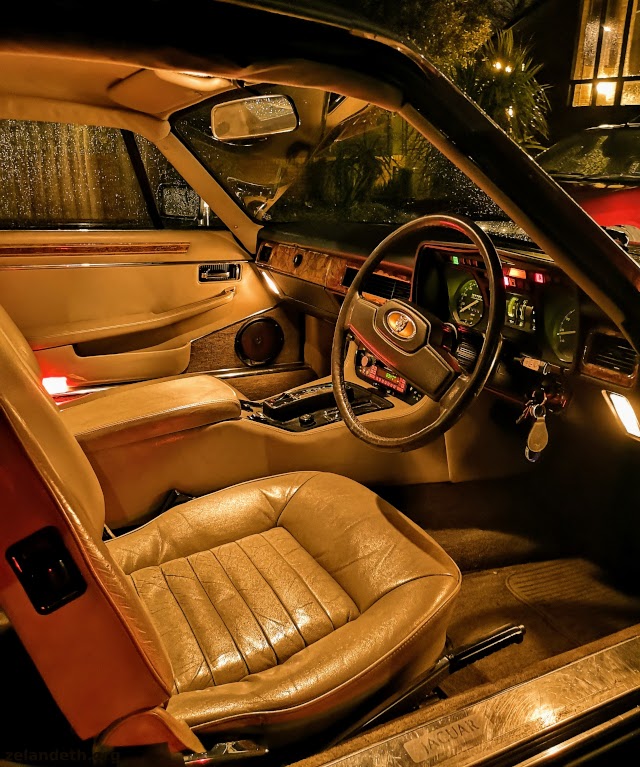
(313, 406)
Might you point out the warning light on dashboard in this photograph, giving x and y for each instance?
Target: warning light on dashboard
(505, 279)
(538, 277)
(518, 273)
(455, 260)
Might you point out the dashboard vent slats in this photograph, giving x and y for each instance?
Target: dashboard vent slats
(612, 353)
(379, 285)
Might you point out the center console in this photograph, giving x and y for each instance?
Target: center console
(315, 405)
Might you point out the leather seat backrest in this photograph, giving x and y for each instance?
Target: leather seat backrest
(18, 341)
(98, 653)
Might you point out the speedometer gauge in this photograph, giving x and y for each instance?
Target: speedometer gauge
(565, 336)
(468, 304)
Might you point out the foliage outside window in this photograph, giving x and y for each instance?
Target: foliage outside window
(607, 66)
(59, 176)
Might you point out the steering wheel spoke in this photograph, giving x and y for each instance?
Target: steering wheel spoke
(455, 391)
(410, 340)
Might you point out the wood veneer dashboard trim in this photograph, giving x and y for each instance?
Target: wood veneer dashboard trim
(324, 269)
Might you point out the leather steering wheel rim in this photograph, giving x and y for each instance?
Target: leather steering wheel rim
(462, 389)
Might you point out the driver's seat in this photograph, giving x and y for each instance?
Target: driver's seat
(268, 610)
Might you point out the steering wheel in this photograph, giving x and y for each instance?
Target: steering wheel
(409, 339)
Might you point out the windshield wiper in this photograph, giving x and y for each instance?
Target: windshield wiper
(566, 176)
(617, 178)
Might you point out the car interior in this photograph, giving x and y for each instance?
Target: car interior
(306, 439)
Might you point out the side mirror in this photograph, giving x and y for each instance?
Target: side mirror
(253, 117)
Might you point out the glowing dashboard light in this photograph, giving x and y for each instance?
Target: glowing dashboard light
(505, 279)
(538, 277)
(624, 412)
(56, 385)
(518, 273)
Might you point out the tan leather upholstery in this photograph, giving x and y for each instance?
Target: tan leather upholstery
(134, 413)
(284, 600)
(100, 655)
(272, 608)
(19, 343)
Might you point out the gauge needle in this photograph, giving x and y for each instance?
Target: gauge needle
(468, 306)
(567, 332)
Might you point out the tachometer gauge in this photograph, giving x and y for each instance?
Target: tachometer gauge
(565, 336)
(468, 304)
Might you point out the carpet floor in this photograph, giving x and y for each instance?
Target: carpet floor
(562, 604)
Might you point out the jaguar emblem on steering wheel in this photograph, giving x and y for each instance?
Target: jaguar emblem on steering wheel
(400, 324)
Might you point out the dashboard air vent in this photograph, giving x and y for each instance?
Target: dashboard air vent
(265, 253)
(379, 285)
(612, 353)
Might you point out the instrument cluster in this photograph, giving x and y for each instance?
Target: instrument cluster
(542, 306)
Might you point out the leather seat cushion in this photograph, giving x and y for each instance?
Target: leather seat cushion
(240, 608)
(287, 599)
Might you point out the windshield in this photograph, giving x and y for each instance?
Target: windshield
(346, 161)
(606, 154)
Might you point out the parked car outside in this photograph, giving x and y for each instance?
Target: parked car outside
(600, 168)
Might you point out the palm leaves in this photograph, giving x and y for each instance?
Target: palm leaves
(502, 79)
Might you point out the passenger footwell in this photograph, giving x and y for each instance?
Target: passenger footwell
(563, 604)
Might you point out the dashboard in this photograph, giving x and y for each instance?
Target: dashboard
(542, 317)
(551, 329)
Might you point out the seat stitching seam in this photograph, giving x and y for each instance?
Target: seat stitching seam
(204, 657)
(215, 609)
(292, 496)
(233, 639)
(135, 585)
(273, 591)
(297, 572)
(409, 580)
(266, 638)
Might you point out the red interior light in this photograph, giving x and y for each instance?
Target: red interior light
(519, 274)
(506, 281)
(538, 277)
(56, 385)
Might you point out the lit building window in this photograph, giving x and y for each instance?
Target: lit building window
(607, 66)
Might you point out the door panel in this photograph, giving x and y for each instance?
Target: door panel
(112, 306)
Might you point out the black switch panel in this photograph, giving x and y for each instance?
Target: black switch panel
(293, 404)
(46, 570)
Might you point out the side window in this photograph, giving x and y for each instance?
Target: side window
(178, 205)
(59, 176)
(67, 176)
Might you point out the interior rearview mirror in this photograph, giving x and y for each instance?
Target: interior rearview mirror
(253, 117)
